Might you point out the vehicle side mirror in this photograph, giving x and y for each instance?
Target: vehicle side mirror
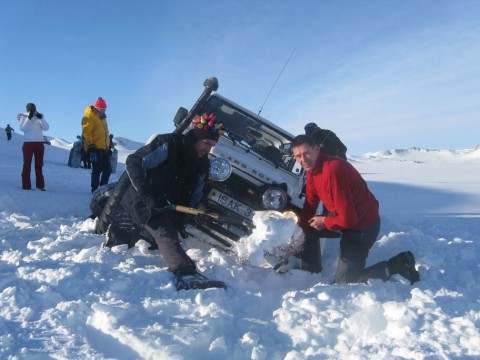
(179, 116)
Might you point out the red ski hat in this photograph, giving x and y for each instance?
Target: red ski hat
(100, 103)
(205, 127)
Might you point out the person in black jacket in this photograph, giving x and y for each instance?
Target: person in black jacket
(328, 142)
(171, 169)
(9, 130)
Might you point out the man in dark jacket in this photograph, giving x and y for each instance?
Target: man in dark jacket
(171, 169)
(353, 217)
(327, 141)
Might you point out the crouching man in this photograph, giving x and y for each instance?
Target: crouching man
(352, 215)
(171, 169)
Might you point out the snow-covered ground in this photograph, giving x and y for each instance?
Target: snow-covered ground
(62, 296)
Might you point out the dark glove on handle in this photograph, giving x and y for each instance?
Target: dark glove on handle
(149, 202)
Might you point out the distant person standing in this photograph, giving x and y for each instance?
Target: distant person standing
(97, 142)
(328, 142)
(9, 130)
(111, 147)
(33, 124)
(113, 155)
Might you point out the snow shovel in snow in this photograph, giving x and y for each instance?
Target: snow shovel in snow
(218, 217)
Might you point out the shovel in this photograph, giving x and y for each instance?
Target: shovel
(193, 211)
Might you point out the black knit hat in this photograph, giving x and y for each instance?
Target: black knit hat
(310, 127)
(31, 107)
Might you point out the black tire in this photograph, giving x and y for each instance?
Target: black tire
(75, 156)
(100, 198)
(112, 211)
(105, 205)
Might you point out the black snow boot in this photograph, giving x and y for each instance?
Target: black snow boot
(404, 264)
(194, 280)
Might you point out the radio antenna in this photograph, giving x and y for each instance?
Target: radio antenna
(278, 77)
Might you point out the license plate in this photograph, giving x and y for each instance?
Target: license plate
(231, 204)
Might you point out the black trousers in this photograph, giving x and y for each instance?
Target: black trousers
(101, 168)
(354, 249)
(159, 230)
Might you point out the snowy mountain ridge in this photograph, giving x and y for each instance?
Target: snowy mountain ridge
(413, 154)
(416, 154)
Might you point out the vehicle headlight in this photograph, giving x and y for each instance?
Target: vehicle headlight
(220, 169)
(274, 199)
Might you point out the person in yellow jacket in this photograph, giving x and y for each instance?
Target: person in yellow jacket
(97, 142)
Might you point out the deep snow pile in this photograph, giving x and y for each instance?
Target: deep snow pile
(63, 296)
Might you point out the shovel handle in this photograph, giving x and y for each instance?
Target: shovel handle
(193, 211)
(186, 210)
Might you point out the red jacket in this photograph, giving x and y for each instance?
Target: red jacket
(343, 192)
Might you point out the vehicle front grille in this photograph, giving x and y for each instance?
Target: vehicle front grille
(241, 189)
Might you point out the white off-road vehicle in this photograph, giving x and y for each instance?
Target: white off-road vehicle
(252, 169)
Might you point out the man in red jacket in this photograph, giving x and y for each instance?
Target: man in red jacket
(352, 215)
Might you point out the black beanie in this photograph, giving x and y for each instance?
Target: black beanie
(31, 107)
(310, 127)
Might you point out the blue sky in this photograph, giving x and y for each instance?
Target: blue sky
(381, 74)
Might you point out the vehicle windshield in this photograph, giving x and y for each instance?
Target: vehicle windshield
(243, 128)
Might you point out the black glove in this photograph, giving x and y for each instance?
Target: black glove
(38, 115)
(31, 114)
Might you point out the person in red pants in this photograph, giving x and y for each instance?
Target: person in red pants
(33, 124)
